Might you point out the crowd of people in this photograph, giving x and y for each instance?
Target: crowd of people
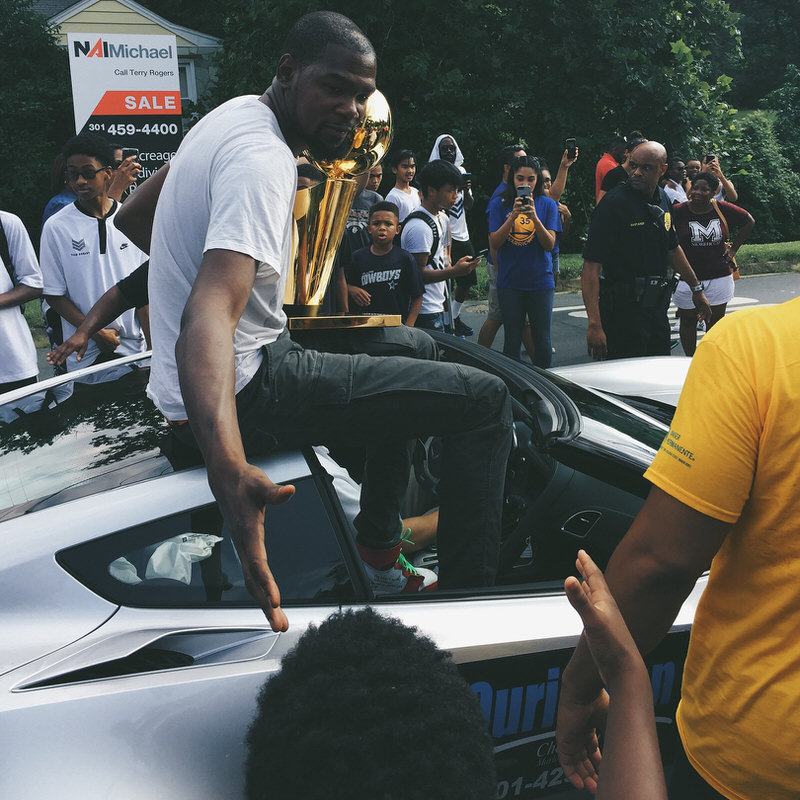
(220, 239)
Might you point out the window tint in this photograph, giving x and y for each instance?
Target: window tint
(188, 559)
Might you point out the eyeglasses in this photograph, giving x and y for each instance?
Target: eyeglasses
(87, 173)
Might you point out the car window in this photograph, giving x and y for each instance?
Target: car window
(188, 559)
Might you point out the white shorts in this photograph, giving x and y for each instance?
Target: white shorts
(718, 291)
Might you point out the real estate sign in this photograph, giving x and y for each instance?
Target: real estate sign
(126, 87)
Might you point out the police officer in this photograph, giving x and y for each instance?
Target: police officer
(631, 247)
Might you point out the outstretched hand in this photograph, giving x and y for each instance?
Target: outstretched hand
(607, 635)
(243, 498)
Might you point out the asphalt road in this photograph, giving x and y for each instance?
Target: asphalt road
(569, 317)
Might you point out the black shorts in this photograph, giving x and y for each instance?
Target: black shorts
(457, 251)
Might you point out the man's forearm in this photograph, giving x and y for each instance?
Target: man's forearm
(679, 263)
(135, 216)
(18, 295)
(65, 309)
(205, 358)
(590, 289)
(650, 574)
(207, 386)
(413, 311)
(105, 310)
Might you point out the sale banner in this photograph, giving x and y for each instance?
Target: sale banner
(126, 87)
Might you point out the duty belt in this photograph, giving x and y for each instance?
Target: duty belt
(641, 287)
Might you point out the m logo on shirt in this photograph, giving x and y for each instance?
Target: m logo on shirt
(705, 235)
(79, 245)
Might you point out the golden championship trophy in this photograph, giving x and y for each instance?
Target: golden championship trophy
(321, 215)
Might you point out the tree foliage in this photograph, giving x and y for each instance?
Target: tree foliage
(757, 162)
(540, 70)
(36, 99)
(785, 103)
(769, 42)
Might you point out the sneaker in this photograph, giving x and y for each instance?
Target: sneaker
(388, 571)
(462, 329)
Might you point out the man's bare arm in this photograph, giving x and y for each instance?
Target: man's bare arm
(596, 344)
(430, 275)
(106, 339)
(135, 216)
(105, 310)
(651, 573)
(205, 358)
(680, 264)
(18, 295)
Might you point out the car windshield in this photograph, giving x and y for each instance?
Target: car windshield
(601, 408)
(71, 440)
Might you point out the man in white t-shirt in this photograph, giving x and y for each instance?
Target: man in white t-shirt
(676, 178)
(83, 254)
(232, 382)
(426, 236)
(20, 281)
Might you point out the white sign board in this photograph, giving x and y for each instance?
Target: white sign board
(126, 87)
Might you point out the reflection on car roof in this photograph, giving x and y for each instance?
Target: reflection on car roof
(56, 445)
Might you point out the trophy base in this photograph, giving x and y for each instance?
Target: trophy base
(343, 320)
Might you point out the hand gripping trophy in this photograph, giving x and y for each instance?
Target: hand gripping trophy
(320, 216)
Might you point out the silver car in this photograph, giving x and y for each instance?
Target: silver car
(132, 654)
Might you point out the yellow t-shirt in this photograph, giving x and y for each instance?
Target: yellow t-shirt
(733, 453)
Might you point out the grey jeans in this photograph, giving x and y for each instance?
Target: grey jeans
(300, 397)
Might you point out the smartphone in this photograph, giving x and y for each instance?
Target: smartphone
(709, 158)
(525, 193)
(467, 176)
(482, 253)
(127, 152)
(571, 148)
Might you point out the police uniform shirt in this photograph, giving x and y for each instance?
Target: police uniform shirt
(630, 235)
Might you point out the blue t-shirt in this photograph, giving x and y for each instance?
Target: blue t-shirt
(392, 280)
(523, 263)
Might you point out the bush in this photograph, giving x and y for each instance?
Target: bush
(785, 103)
(757, 163)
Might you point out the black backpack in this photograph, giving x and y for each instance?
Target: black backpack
(432, 225)
(5, 254)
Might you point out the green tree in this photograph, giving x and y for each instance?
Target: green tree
(757, 162)
(769, 43)
(541, 70)
(785, 103)
(205, 17)
(36, 99)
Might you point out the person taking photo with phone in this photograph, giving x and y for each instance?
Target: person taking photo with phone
(523, 223)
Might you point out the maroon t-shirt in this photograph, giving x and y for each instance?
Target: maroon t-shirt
(702, 237)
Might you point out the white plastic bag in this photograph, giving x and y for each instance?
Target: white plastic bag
(174, 557)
